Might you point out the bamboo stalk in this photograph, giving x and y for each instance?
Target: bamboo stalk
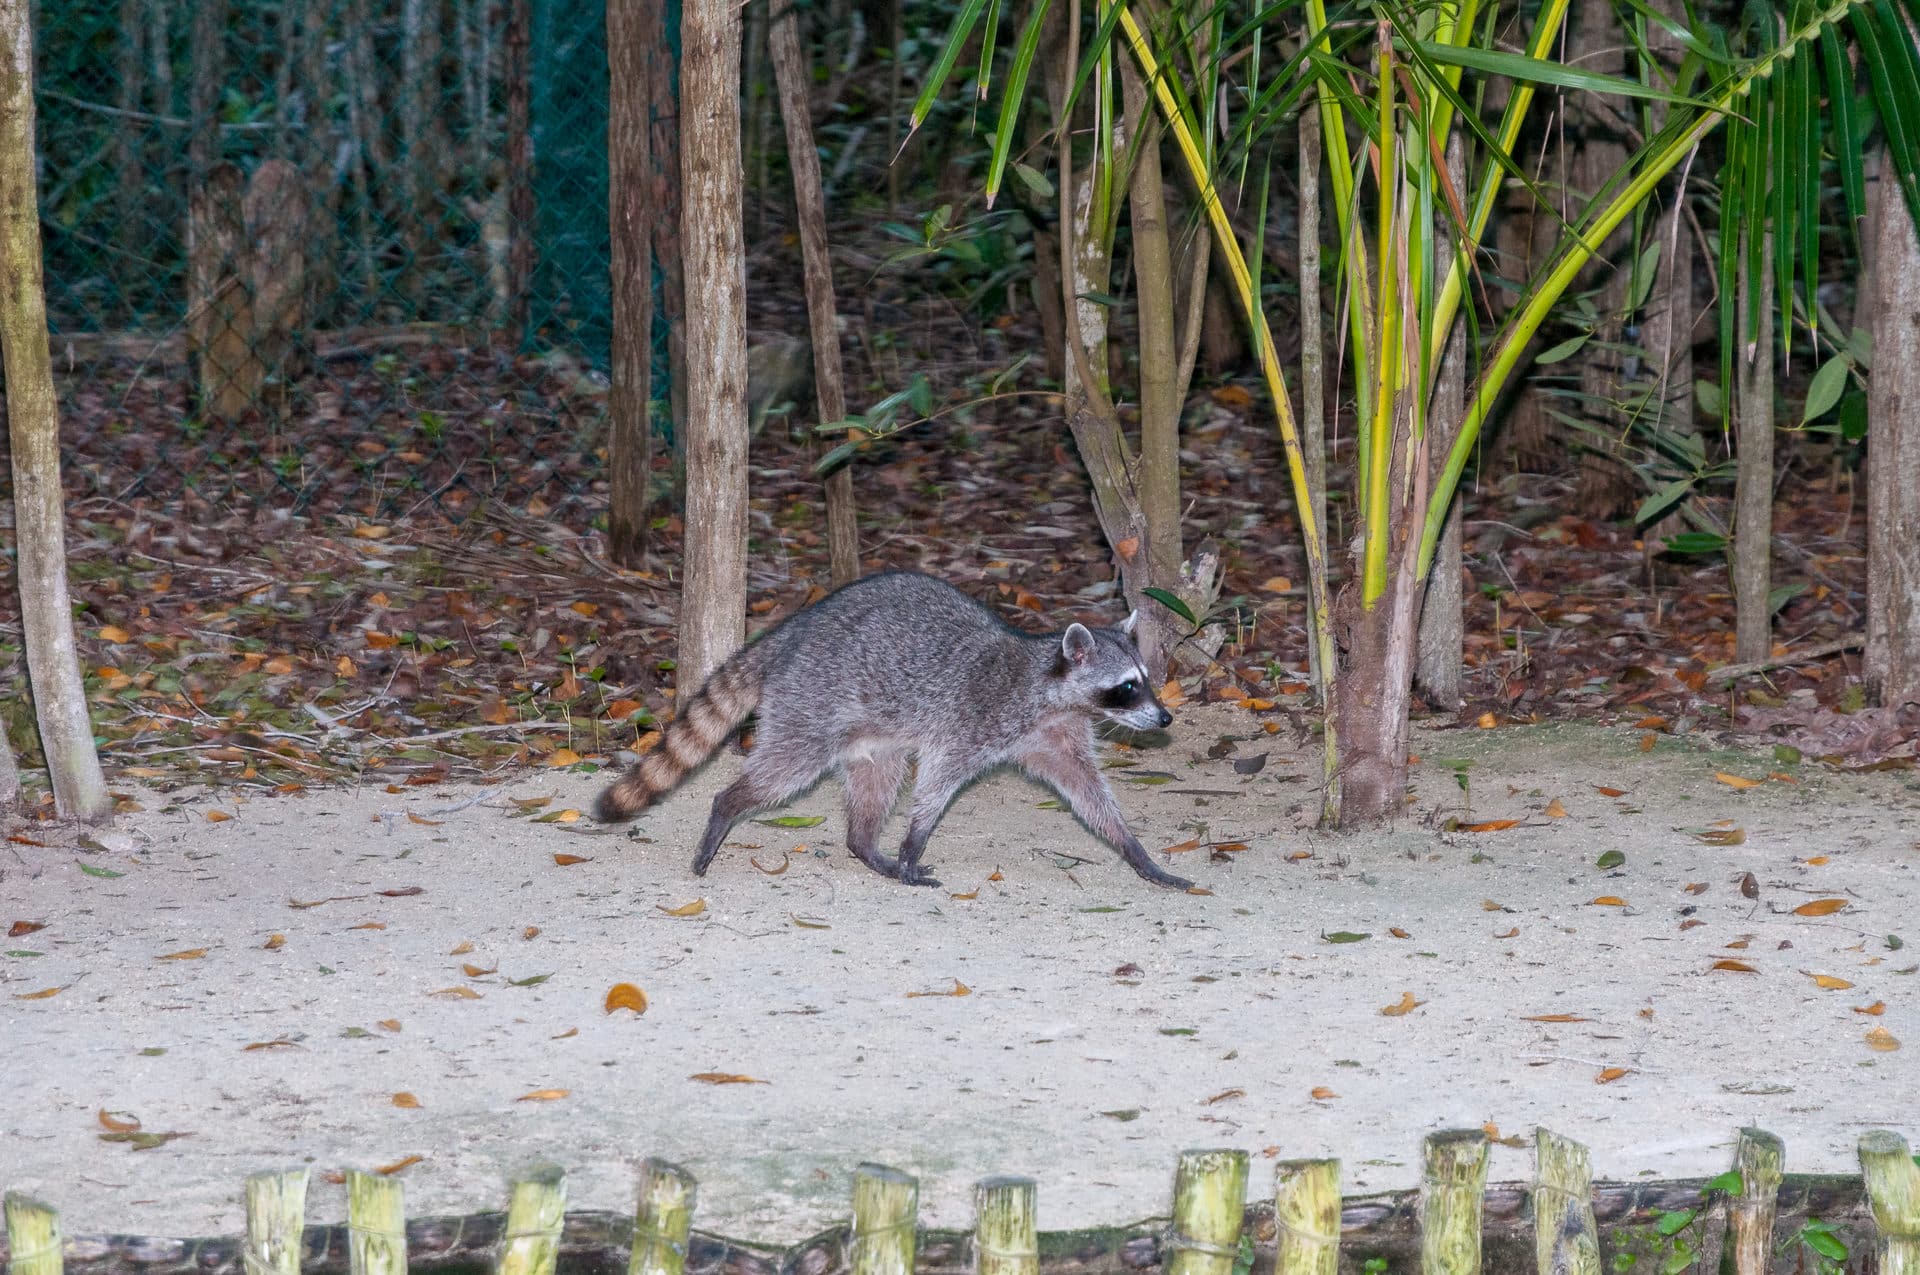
(664, 1219)
(1209, 1201)
(1306, 1213)
(33, 1237)
(1566, 1241)
(1451, 1191)
(1893, 1186)
(1005, 1237)
(376, 1224)
(532, 1245)
(1758, 1155)
(276, 1217)
(886, 1204)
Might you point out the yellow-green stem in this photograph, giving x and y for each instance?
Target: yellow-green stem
(1375, 512)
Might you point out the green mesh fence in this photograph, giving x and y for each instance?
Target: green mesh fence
(283, 266)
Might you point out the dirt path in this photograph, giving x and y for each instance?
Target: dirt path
(1106, 1025)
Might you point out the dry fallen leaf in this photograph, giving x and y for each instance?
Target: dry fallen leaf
(187, 954)
(543, 1095)
(1398, 933)
(405, 1099)
(723, 1078)
(1610, 792)
(568, 860)
(1696, 887)
(1882, 1040)
(475, 971)
(1874, 1010)
(694, 908)
(1554, 1018)
(1609, 901)
(1820, 907)
(275, 942)
(1492, 825)
(108, 1120)
(1225, 1094)
(786, 862)
(1740, 782)
(20, 929)
(388, 1024)
(1513, 933)
(1321, 1093)
(1406, 1006)
(1829, 982)
(563, 757)
(626, 996)
(461, 948)
(423, 822)
(218, 816)
(1555, 810)
(457, 993)
(405, 1162)
(1610, 1074)
(1732, 966)
(280, 1043)
(1721, 837)
(968, 897)
(1486, 721)
(1816, 861)
(1192, 843)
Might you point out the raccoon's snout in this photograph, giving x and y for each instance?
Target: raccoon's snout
(1164, 718)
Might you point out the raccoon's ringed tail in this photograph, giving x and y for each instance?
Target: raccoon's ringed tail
(703, 725)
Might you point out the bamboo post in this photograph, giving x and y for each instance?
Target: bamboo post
(1565, 1239)
(1451, 1191)
(33, 1237)
(1209, 1202)
(376, 1224)
(1006, 1238)
(1893, 1187)
(1306, 1209)
(276, 1217)
(1758, 1156)
(539, 1204)
(886, 1207)
(664, 1219)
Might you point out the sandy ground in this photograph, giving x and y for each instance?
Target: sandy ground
(1107, 1024)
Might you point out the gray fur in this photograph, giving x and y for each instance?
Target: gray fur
(900, 666)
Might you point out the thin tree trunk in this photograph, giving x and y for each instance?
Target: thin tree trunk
(1442, 639)
(209, 61)
(421, 145)
(630, 175)
(130, 151)
(9, 780)
(517, 48)
(1752, 557)
(790, 73)
(1892, 663)
(33, 424)
(667, 239)
(714, 588)
(1667, 327)
(316, 159)
(759, 108)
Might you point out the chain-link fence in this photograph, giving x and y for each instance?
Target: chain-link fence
(330, 254)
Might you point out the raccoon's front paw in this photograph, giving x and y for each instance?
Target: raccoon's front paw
(917, 875)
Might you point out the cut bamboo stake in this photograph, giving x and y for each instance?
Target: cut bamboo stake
(33, 1237)
(1758, 1155)
(1893, 1186)
(1566, 1240)
(886, 1206)
(1306, 1209)
(1209, 1201)
(664, 1220)
(376, 1224)
(1451, 1192)
(276, 1217)
(533, 1222)
(1006, 1238)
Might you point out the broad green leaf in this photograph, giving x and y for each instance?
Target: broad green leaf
(1345, 936)
(963, 24)
(1011, 104)
(1612, 859)
(1712, 402)
(1674, 1221)
(1173, 604)
(1547, 71)
(793, 821)
(1780, 595)
(1846, 138)
(1696, 542)
(1828, 384)
(1853, 416)
(1730, 1182)
(1661, 501)
(1565, 349)
(1035, 180)
(1646, 267)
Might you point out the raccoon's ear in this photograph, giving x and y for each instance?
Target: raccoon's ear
(1076, 644)
(1133, 619)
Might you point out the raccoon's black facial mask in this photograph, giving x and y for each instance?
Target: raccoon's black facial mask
(1129, 694)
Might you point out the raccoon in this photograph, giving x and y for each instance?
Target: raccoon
(902, 665)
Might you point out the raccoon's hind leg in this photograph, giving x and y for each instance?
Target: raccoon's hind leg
(873, 786)
(939, 781)
(767, 782)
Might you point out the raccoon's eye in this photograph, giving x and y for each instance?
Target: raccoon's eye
(1128, 687)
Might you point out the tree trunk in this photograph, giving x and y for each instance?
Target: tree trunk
(209, 69)
(517, 52)
(1606, 486)
(667, 239)
(1375, 694)
(714, 588)
(219, 319)
(422, 143)
(1442, 641)
(317, 144)
(1893, 449)
(630, 177)
(33, 424)
(130, 151)
(1667, 326)
(1751, 561)
(9, 780)
(810, 210)
(1313, 351)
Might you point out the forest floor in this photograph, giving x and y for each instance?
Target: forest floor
(1642, 946)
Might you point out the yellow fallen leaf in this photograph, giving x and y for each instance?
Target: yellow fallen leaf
(388, 1024)
(1486, 721)
(1492, 825)
(723, 1078)
(1609, 901)
(405, 1099)
(115, 634)
(543, 1095)
(563, 757)
(1820, 907)
(1882, 1040)
(1513, 933)
(1321, 1093)
(109, 1121)
(1191, 843)
(405, 1162)
(281, 1043)
(1816, 861)
(568, 860)
(1398, 933)
(344, 667)
(588, 609)
(1609, 1074)
(694, 908)
(1610, 792)
(1276, 584)
(218, 816)
(461, 948)
(275, 942)
(1829, 982)
(968, 897)
(370, 531)
(1555, 810)
(1737, 781)
(1406, 1006)
(1554, 1018)
(422, 821)
(457, 993)
(1732, 966)
(475, 971)
(1488, 905)
(186, 954)
(1874, 1010)
(625, 996)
